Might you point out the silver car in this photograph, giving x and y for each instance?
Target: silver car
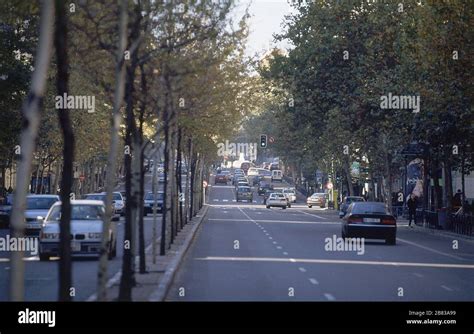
(86, 230)
(37, 205)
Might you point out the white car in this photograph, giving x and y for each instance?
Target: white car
(86, 230)
(290, 194)
(277, 175)
(252, 172)
(277, 199)
(117, 202)
(37, 205)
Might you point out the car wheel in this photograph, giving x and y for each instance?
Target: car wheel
(283, 207)
(44, 257)
(289, 205)
(268, 206)
(310, 206)
(391, 241)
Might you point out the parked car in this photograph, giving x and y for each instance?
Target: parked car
(264, 186)
(370, 220)
(37, 205)
(220, 178)
(86, 230)
(244, 193)
(347, 201)
(316, 199)
(149, 202)
(278, 200)
(101, 197)
(290, 194)
(277, 175)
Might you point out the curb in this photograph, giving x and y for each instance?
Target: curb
(161, 292)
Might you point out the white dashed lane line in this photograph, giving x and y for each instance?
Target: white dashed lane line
(447, 288)
(314, 281)
(303, 270)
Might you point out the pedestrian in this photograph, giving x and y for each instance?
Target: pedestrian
(412, 203)
(457, 199)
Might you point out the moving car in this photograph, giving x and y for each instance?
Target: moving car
(242, 184)
(149, 202)
(220, 178)
(280, 191)
(370, 220)
(277, 175)
(274, 166)
(290, 194)
(347, 201)
(264, 186)
(265, 174)
(244, 193)
(37, 205)
(316, 199)
(86, 230)
(252, 171)
(117, 208)
(276, 199)
(239, 179)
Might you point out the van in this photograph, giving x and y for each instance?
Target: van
(277, 175)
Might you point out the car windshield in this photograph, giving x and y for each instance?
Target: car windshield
(38, 203)
(117, 197)
(225, 172)
(79, 212)
(98, 197)
(371, 208)
(354, 199)
(149, 196)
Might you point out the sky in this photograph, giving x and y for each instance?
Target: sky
(266, 19)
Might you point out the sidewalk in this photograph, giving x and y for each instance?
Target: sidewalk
(444, 233)
(154, 285)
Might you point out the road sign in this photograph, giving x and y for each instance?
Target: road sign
(271, 140)
(204, 183)
(329, 185)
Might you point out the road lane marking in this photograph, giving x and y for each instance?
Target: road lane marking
(215, 200)
(270, 238)
(285, 253)
(327, 261)
(302, 269)
(274, 242)
(311, 214)
(431, 249)
(279, 247)
(329, 296)
(313, 281)
(447, 288)
(225, 200)
(278, 221)
(418, 275)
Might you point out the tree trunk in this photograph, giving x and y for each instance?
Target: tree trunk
(29, 133)
(113, 151)
(60, 42)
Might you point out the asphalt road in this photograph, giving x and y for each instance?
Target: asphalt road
(41, 278)
(281, 256)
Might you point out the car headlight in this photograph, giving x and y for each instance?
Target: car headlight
(94, 235)
(50, 235)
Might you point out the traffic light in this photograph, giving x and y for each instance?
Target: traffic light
(263, 141)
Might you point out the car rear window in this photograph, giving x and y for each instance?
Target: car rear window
(243, 189)
(38, 203)
(370, 208)
(149, 196)
(354, 199)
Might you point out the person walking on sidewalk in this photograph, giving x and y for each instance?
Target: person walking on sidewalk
(412, 203)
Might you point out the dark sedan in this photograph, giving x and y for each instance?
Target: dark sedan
(220, 178)
(263, 186)
(370, 220)
(347, 201)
